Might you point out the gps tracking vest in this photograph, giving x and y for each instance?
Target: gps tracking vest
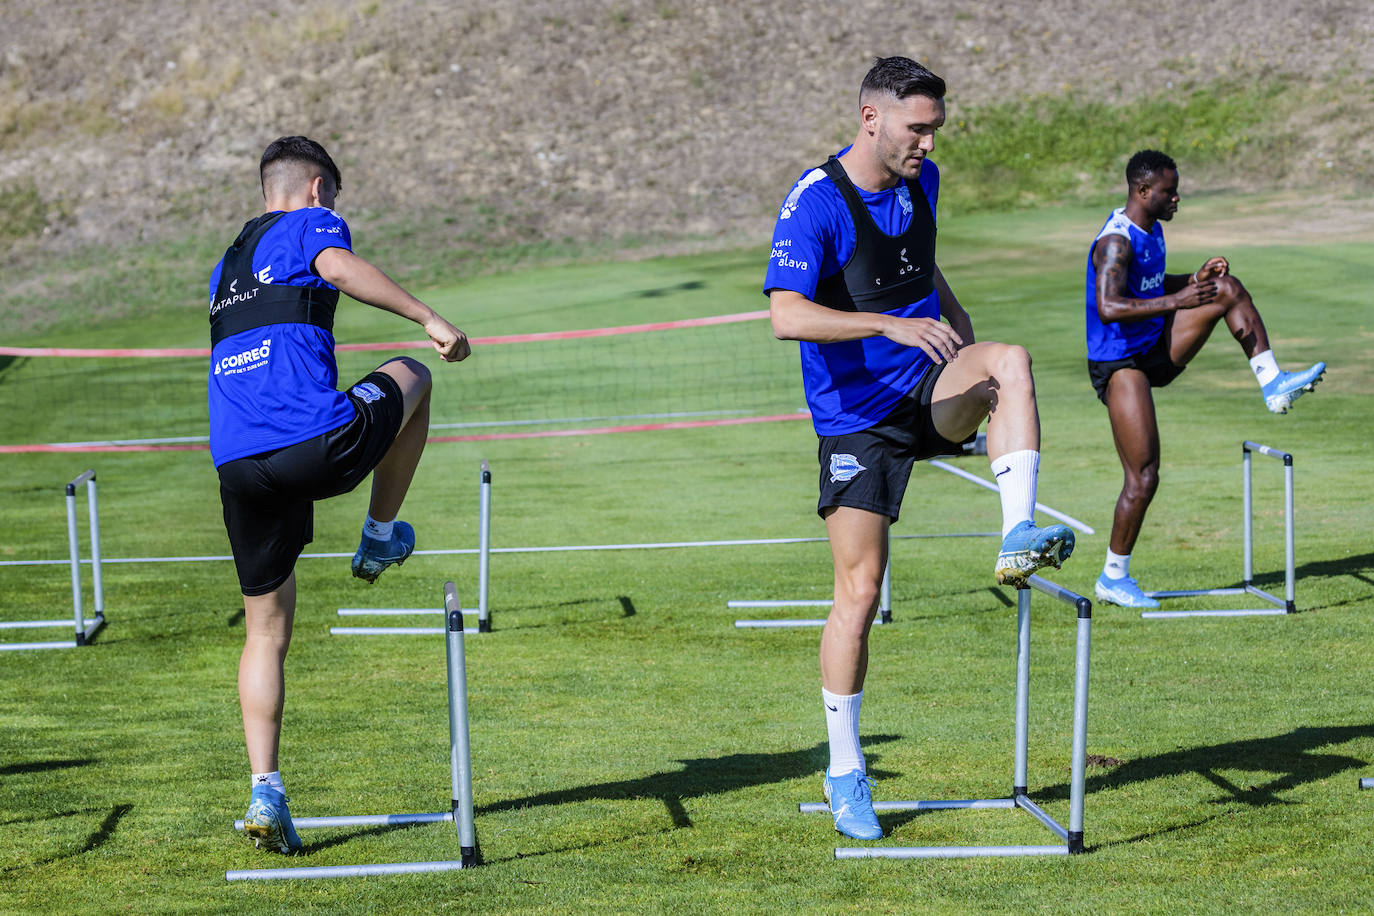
(885, 272)
(243, 301)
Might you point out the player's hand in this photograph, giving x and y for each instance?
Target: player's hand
(939, 341)
(1196, 294)
(1215, 267)
(450, 343)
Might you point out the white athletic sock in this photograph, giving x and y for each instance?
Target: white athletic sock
(842, 722)
(378, 531)
(1118, 566)
(1015, 473)
(1265, 366)
(272, 779)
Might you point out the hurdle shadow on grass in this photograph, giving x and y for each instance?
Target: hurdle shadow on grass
(1360, 568)
(998, 594)
(623, 603)
(44, 766)
(1291, 759)
(98, 837)
(699, 776)
(657, 291)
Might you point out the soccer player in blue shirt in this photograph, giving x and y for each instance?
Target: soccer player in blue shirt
(282, 436)
(853, 277)
(1143, 327)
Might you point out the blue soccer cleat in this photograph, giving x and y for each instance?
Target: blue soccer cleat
(1124, 592)
(851, 803)
(373, 555)
(1286, 387)
(1027, 548)
(268, 822)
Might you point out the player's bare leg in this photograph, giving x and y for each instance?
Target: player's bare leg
(386, 541)
(1131, 409)
(993, 381)
(858, 545)
(262, 687)
(1191, 328)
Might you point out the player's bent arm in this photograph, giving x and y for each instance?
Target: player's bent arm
(796, 317)
(350, 274)
(952, 311)
(1112, 260)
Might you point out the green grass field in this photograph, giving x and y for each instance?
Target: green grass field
(632, 751)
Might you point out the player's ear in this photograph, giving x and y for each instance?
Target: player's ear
(868, 117)
(316, 188)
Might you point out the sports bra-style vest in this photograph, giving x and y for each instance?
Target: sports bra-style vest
(242, 302)
(885, 272)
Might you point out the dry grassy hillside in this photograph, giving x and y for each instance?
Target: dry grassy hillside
(143, 119)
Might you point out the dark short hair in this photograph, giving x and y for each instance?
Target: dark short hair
(901, 77)
(300, 149)
(1145, 164)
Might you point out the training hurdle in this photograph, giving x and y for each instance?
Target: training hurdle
(483, 571)
(83, 627)
(979, 447)
(1284, 605)
(884, 606)
(1072, 835)
(1366, 782)
(460, 772)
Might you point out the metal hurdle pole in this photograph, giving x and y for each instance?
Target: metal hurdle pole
(483, 568)
(1284, 605)
(460, 771)
(483, 548)
(1072, 835)
(83, 627)
(1366, 782)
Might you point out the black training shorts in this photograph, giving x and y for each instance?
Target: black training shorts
(269, 498)
(1159, 369)
(870, 469)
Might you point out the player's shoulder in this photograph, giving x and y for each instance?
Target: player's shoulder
(814, 190)
(321, 220)
(1118, 223)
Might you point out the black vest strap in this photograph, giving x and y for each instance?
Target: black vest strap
(885, 272)
(242, 302)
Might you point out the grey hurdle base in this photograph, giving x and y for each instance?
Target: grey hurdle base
(1070, 837)
(460, 771)
(1284, 605)
(83, 627)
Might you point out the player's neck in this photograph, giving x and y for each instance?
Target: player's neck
(285, 203)
(1139, 216)
(866, 171)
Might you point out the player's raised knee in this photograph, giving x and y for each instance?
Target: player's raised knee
(409, 373)
(1230, 289)
(1011, 361)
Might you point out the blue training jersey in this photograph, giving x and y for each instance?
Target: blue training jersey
(853, 385)
(1145, 280)
(274, 385)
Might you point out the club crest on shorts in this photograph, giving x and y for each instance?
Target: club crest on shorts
(367, 392)
(844, 467)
